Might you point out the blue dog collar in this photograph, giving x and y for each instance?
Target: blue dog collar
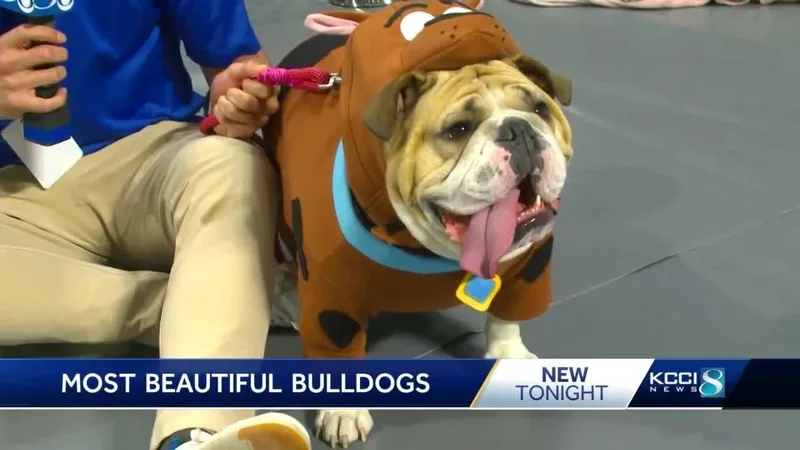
(366, 243)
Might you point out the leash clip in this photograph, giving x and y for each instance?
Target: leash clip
(334, 80)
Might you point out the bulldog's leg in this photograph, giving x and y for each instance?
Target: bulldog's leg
(525, 298)
(329, 331)
(503, 340)
(334, 334)
(340, 427)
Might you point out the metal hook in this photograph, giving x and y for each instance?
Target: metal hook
(333, 81)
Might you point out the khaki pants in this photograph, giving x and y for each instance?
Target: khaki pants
(165, 234)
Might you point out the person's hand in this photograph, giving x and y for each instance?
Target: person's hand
(19, 79)
(241, 105)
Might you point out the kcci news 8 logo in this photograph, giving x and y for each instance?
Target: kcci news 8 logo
(708, 382)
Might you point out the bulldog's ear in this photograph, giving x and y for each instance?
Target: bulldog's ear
(555, 84)
(394, 103)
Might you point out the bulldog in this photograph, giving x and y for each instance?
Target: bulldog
(427, 177)
(476, 159)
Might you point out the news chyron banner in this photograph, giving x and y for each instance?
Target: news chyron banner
(562, 384)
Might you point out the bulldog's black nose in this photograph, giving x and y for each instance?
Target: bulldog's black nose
(520, 139)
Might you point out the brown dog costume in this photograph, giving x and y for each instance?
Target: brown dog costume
(339, 286)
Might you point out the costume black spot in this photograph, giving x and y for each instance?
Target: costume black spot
(338, 327)
(541, 258)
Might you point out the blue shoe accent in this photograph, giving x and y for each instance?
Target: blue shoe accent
(175, 442)
(178, 438)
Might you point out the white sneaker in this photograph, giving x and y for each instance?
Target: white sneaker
(285, 309)
(271, 431)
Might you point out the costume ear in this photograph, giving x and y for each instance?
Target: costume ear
(334, 22)
(474, 4)
(394, 103)
(555, 84)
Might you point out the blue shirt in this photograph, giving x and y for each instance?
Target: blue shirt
(125, 70)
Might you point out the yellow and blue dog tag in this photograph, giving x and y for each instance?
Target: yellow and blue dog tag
(477, 292)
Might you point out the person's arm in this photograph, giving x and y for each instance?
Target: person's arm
(259, 59)
(218, 36)
(215, 33)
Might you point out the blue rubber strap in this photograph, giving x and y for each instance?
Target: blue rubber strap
(366, 243)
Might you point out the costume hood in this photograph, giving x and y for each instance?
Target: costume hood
(404, 37)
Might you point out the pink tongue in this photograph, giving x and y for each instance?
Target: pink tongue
(489, 236)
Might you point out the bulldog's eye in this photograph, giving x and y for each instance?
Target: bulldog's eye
(542, 110)
(458, 131)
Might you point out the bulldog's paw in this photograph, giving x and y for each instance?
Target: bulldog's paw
(340, 427)
(510, 349)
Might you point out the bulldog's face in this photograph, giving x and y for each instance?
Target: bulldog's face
(476, 158)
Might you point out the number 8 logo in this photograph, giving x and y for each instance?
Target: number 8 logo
(713, 384)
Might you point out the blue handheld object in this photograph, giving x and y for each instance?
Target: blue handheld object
(50, 128)
(38, 8)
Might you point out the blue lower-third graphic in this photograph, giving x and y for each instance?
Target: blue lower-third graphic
(712, 382)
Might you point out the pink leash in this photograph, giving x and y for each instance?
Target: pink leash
(306, 79)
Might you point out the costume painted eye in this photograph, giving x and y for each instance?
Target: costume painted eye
(413, 23)
(458, 10)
